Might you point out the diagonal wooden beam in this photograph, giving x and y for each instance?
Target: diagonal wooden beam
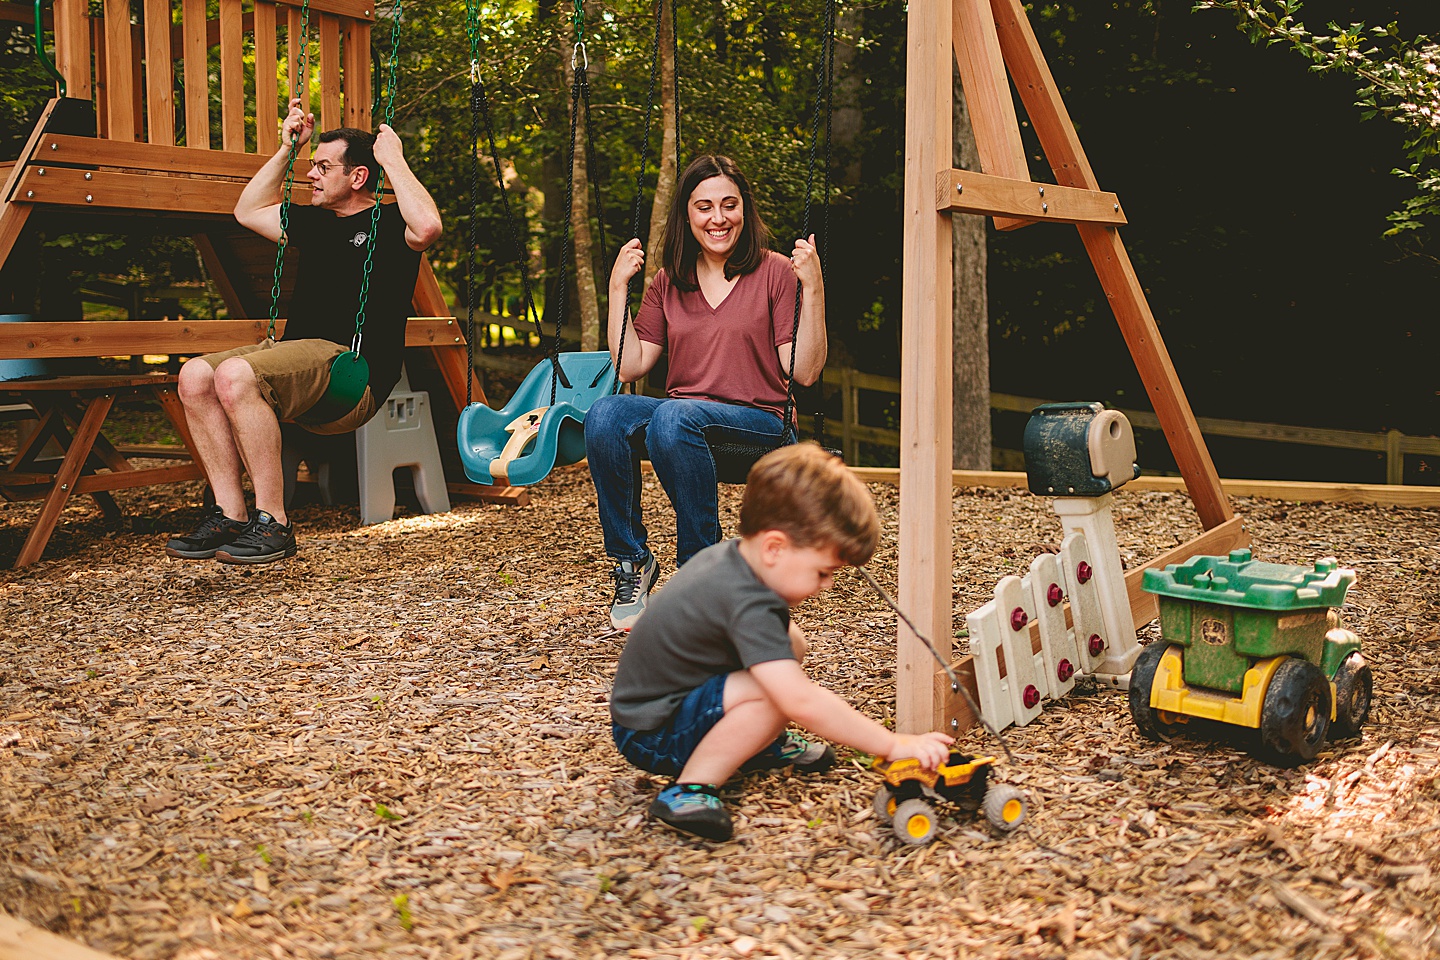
(1061, 143)
(75, 457)
(987, 97)
(14, 213)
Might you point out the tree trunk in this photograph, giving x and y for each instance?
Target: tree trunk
(847, 120)
(669, 114)
(971, 317)
(585, 293)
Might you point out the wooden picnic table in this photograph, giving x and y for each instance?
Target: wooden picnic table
(72, 411)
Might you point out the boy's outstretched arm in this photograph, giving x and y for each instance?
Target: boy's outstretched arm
(819, 710)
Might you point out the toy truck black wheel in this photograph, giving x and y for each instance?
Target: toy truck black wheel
(1353, 689)
(1142, 677)
(885, 803)
(914, 822)
(1004, 807)
(1295, 716)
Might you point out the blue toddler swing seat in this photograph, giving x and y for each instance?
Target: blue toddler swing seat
(541, 427)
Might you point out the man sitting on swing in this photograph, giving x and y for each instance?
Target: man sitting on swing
(234, 400)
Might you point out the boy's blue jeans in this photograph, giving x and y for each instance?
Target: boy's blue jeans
(621, 429)
(666, 751)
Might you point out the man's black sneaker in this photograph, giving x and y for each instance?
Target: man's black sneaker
(264, 541)
(694, 808)
(214, 532)
(789, 750)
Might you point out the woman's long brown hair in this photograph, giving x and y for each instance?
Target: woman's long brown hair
(681, 249)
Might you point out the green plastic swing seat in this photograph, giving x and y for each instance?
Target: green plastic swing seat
(349, 376)
(520, 443)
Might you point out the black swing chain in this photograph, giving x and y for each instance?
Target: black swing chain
(390, 86)
(303, 80)
(822, 97)
(640, 175)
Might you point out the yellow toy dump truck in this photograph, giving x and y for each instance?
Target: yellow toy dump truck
(907, 796)
(1253, 645)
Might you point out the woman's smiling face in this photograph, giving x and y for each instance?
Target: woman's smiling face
(716, 216)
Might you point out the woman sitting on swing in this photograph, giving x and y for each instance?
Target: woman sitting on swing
(724, 306)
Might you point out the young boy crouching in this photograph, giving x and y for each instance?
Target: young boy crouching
(711, 674)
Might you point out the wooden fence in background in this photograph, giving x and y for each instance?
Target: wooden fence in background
(851, 433)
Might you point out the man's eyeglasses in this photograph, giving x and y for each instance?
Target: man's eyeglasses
(325, 166)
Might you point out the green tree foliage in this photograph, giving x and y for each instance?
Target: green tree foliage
(1399, 79)
(24, 86)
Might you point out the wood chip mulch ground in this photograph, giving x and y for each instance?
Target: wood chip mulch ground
(398, 745)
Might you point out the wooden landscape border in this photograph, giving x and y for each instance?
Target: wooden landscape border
(1315, 491)
(24, 941)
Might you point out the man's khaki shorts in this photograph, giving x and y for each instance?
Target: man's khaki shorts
(292, 376)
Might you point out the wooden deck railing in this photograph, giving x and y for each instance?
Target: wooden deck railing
(150, 76)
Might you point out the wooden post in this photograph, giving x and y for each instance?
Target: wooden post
(197, 75)
(926, 549)
(330, 114)
(72, 47)
(267, 89)
(159, 73)
(849, 416)
(232, 76)
(1394, 457)
(118, 96)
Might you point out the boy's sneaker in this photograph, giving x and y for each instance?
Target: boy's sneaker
(694, 808)
(632, 590)
(213, 532)
(263, 542)
(792, 750)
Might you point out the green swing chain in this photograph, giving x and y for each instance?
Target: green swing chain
(390, 84)
(302, 78)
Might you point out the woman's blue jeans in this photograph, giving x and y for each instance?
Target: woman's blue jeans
(622, 429)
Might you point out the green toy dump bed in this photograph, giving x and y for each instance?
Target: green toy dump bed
(1230, 611)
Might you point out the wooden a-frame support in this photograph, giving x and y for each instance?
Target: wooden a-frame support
(992, 43)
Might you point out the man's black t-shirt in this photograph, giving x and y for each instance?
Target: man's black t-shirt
(327, 288)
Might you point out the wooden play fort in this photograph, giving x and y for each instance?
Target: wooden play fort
(994, 46)
(142, 140)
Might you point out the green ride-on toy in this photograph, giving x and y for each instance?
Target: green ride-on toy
(907, 795)
(1253, 645)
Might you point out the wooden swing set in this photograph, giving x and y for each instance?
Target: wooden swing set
(127, 146)
(993, 45)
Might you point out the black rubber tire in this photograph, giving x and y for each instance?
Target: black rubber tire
(1295, 717)
(1354, 687)
(1142, 677)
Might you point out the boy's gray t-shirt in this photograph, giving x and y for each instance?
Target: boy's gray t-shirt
(713, 617)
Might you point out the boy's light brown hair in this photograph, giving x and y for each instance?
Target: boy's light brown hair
(810, 496)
